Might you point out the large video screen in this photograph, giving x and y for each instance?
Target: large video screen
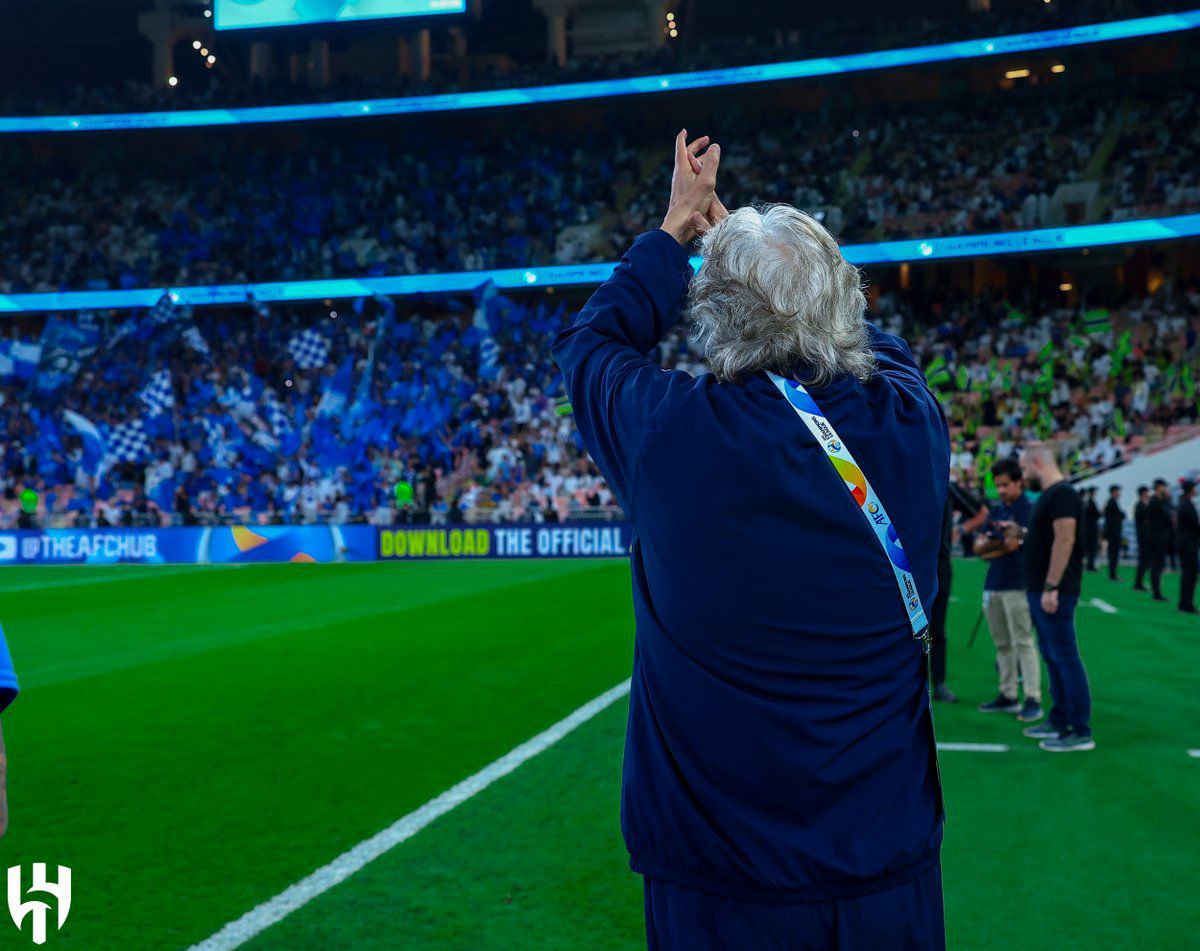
(248, 14)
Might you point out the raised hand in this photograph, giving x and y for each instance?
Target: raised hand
(694, 206)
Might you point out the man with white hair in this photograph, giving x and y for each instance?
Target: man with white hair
(780, 784)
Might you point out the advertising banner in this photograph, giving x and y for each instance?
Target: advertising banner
(475, 542)
(241, 544)
(229, 544)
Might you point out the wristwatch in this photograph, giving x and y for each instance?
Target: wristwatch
(1047, 588)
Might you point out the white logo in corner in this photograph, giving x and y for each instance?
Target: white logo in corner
(61, 890)
(8, 547)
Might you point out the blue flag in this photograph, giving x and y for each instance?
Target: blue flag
(95, 447)
(65, 348)
(337, 391)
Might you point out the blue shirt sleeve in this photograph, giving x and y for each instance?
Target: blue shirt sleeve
(8, 677)
(613, 388)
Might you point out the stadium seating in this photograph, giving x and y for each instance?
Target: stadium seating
(250, 415)
(343, 205)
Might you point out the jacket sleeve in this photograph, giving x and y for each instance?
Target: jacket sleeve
(613, 388)
(893, 356)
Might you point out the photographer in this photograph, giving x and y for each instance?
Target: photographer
(1007, 607)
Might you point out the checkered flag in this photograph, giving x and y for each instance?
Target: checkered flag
(309, 349)
(157, 395)
(128, 442)
(214, 432)
(277, 416)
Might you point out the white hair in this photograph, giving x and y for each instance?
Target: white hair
(774, 293)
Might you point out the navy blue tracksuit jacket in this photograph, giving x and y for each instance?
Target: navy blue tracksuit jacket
(779, 743)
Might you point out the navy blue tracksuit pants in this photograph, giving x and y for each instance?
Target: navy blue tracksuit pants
(905, 918)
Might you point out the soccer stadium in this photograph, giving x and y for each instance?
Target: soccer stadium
(426, 433)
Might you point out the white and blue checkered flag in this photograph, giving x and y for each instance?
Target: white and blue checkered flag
(277, 417)
(157, 395)
(214, 432)
(128, 442)
(309, 349)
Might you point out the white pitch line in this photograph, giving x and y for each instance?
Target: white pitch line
(1194, 754)
(1103, 606)
(291, 899)
(129, 574)
(974, 747)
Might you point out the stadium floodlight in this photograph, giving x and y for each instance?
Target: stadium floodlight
(457, 282)
(637, 85)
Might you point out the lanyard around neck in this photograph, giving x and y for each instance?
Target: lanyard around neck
(799, 399)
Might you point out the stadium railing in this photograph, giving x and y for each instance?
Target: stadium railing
(882, 252)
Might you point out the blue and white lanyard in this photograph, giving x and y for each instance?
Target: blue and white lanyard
(864, 497)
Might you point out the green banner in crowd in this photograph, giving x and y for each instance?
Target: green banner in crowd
(1097, 321)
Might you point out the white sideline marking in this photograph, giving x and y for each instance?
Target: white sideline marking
(1103, 606)
(132, 573)
(974, 747)
(297, 896)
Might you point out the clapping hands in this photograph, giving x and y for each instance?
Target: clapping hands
(694, 207)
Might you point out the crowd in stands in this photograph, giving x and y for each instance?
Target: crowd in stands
(1101, 382)
(338, 206)
(304, 415)
(834, 36)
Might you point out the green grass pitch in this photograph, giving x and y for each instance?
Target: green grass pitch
(191, 741)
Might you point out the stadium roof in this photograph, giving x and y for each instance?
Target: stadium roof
(641, 85)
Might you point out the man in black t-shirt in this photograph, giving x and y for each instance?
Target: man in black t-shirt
(1053, 574)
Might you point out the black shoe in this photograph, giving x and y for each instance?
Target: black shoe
(1031, 711)
(1001, 704)
(1139, 587)
(943, 694)
(1069, 742)
(1187, 609)
(1159, 597)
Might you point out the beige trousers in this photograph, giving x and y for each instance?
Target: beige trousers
(1012, 631)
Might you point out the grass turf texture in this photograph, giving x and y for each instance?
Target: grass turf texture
(192, 741)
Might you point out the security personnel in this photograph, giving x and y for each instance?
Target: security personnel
(1091, 528)
(1189, 544)
(1140, 512)
(1158, 535)
(1114, 520)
